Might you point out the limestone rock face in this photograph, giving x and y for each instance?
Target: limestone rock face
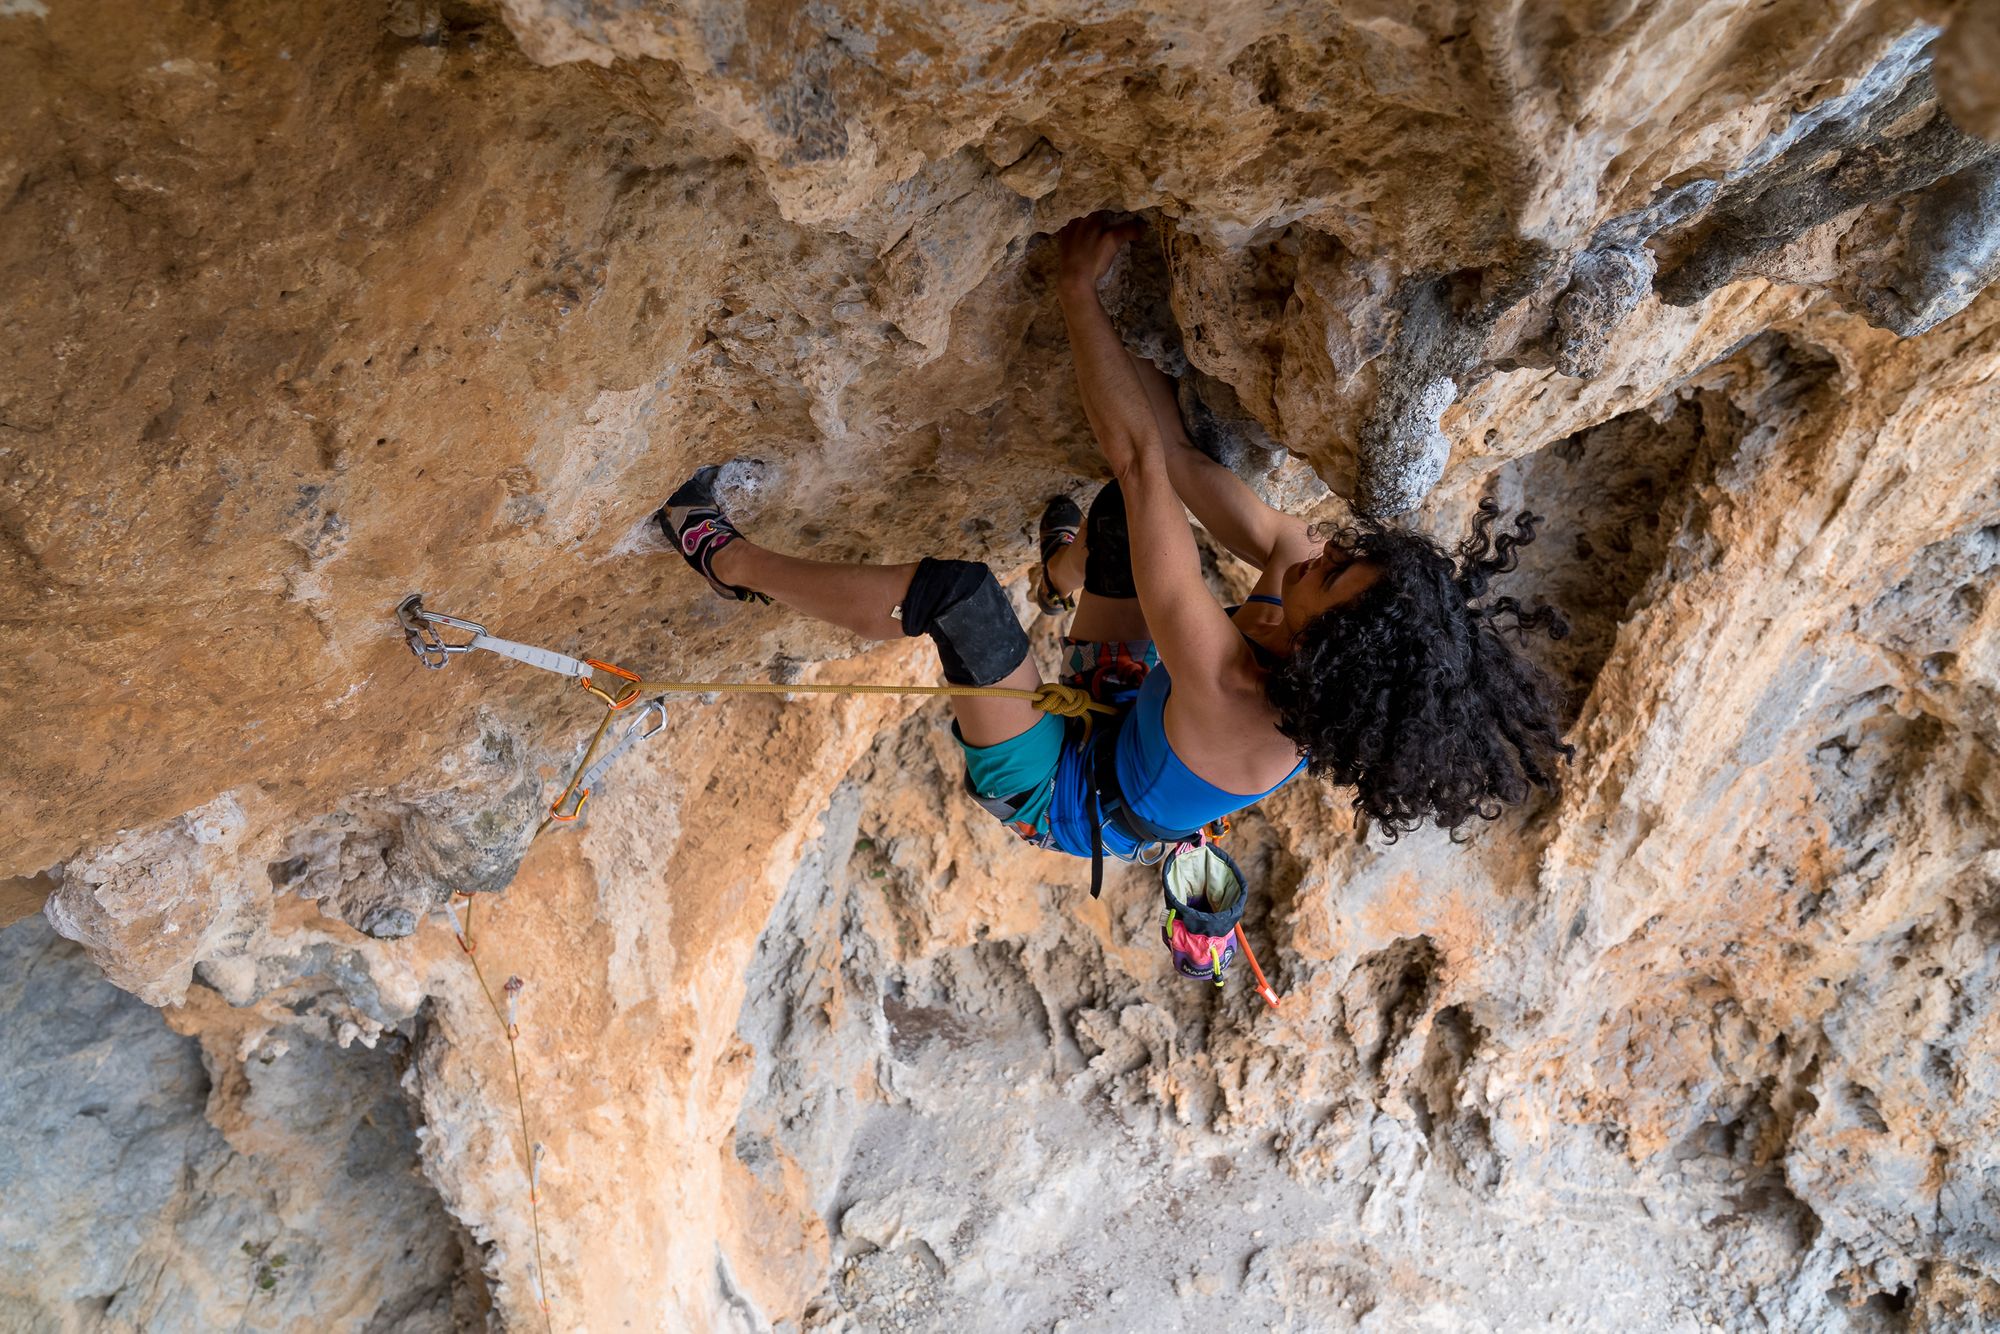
(158, 1182)
(310, 308)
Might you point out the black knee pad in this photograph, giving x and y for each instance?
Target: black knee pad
(958, 603)
(1107, 556)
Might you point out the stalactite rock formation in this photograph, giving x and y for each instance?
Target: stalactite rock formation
(313, 307)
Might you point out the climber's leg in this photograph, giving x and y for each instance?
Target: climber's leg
(957, 603)
(850, 595)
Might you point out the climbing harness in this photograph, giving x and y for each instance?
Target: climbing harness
(1109, 809)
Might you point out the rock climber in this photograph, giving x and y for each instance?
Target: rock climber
(1365, 657)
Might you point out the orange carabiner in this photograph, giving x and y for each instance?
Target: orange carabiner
(597, 690)
(555, 811)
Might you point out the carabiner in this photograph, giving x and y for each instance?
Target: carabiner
(555, 812)
(420, 632)
(597, 690)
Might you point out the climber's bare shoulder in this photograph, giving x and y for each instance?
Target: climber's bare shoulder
(1222, 726)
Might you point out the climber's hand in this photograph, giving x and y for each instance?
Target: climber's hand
(1087, 246)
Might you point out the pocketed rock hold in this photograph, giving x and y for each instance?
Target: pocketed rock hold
(1604, 287)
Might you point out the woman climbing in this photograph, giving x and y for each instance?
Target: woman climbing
(1364, 658)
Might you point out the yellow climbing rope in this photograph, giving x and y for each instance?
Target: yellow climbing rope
(1050, 697)
(424, 631)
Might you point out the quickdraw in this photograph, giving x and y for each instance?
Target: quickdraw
(424, 631)
(646, 724)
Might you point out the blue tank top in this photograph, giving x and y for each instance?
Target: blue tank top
(1155, 781)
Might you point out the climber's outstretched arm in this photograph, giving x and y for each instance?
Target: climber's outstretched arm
(1221, 501)
(1194, 636)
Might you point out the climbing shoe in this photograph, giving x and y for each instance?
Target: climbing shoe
(1061, 521)
(696, 525)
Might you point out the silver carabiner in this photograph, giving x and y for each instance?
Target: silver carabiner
(420, 632)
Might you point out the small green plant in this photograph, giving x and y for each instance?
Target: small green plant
(265, 1270)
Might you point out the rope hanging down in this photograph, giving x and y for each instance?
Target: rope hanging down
(510, 1028)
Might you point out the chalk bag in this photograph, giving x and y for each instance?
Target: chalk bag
(1204, 890)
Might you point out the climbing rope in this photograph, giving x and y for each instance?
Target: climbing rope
(423, 631)
(509, 1021)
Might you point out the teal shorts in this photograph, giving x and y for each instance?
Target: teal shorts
(1016, 780)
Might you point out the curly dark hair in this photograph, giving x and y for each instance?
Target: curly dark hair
(1412, 693)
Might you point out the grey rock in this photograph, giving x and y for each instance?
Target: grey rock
(128, 1209)
(1863, 153)
(1604, 287)
(1949, 254)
